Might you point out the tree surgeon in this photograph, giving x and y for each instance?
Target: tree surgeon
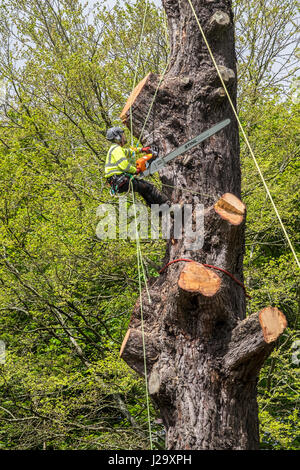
(120, 169)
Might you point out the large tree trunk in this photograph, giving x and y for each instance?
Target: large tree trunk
(203, 356)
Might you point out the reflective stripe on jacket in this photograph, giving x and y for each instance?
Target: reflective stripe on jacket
(119, 161)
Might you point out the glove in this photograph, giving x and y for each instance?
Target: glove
(146, 149)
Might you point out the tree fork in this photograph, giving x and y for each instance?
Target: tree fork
(203, 356)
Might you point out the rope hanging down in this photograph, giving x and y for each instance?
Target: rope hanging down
(139, 256)
(140, 262)
(244, 134)
(152, 102)
(137, 64)
(140, 265)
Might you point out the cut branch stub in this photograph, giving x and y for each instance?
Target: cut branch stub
(196, 278)
(154, 383)
(133, 97)
(132, 350)
(230, 208)
(140, 98)
(227, 74)
(272, 322)
(218, 22)
(217, 95)
(251, 340)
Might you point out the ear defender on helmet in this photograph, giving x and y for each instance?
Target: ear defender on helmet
(114, 134)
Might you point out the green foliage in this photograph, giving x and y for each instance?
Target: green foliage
(279, 399)
(66, 296)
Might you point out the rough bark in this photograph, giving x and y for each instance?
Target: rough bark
(132, 350)
(207, 355)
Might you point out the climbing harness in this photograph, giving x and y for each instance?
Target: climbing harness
(207, 266)
(117, 181)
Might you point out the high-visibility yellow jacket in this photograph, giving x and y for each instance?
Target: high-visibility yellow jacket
(119, 161)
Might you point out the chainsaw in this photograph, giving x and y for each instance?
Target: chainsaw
(143, 162)
(146, 167)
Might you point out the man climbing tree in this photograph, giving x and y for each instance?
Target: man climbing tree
(201, 355)
(120, 170)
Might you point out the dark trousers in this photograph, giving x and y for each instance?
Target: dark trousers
(148, 191)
